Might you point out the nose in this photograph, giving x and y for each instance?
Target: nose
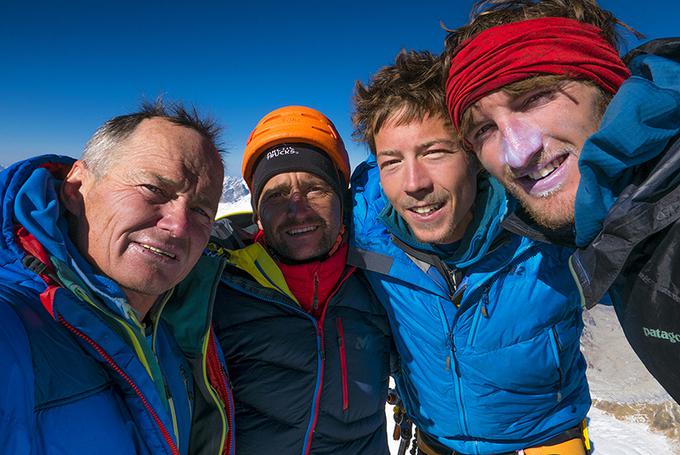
(298, 205)
(520, 141)
(417, 178)
(175, 219)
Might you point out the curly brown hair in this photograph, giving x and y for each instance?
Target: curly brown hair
(408, 90)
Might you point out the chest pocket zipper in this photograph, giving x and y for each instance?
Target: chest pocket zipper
(343, 363)
(556, 348)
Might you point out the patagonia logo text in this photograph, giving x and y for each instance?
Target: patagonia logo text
(661, 334)
(280, 151)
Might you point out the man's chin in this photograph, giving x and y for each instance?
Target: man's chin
(553, 213)
(431, 237)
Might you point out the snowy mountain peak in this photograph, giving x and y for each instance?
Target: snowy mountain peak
(235, 196)
(233, 189)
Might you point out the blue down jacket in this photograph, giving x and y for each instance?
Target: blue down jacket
(488, 335)
(303, 385)
(79, 373)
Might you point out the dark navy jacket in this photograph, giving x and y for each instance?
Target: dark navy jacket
(302, 385)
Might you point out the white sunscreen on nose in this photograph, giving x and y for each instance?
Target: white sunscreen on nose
(520, 141)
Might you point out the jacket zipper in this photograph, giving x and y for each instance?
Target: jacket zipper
(321, 359)
(459, 383)
(481, 311)
(556, 349)
(321, 354)
(166, 387)
(315, 300)
(223, 389)
(343, 363)
(130, 382)
(456, 374)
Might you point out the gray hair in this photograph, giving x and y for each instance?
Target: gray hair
(99, 152)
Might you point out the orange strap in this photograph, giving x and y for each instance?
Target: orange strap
(570, 447)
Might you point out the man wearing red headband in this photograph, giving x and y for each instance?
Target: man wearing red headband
(589, 147)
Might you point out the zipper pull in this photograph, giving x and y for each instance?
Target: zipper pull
(315, 301)
(453, 355)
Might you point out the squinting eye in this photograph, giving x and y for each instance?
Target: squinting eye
(437, 153)
(202, 212)
(316, 192)
(386, 164)
(481, 132)
(272, 196)
(536, 98)
(153, 189)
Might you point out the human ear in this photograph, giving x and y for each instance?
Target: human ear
(72, 188)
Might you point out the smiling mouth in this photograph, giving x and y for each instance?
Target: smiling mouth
(542, 180)
(535, 174)
(547, 169)
(426, 209)
(158, 251)
(301, 230)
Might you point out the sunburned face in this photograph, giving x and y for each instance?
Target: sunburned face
(300, 215)
(145, 222)
(427, 177)
(531, 142)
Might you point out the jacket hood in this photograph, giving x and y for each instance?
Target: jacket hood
(639, 122)
(370, 203)
(30, 198)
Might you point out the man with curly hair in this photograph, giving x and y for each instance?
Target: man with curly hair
(486, 323)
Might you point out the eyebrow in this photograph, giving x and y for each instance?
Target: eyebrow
(279, 187)
(172, 185)
(388, 152)
(420, 147)
(437, 141)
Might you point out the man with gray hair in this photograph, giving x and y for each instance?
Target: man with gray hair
(106, 344)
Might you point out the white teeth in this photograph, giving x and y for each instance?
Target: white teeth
(424, 210)
(302, 230)
(157, 251)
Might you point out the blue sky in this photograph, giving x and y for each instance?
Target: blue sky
(68, 66)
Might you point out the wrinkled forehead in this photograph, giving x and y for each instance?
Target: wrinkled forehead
(173, 152)
(294, 179)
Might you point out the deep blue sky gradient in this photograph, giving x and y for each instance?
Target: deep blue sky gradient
(65, 67)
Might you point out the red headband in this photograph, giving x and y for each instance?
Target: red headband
(512, 52)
